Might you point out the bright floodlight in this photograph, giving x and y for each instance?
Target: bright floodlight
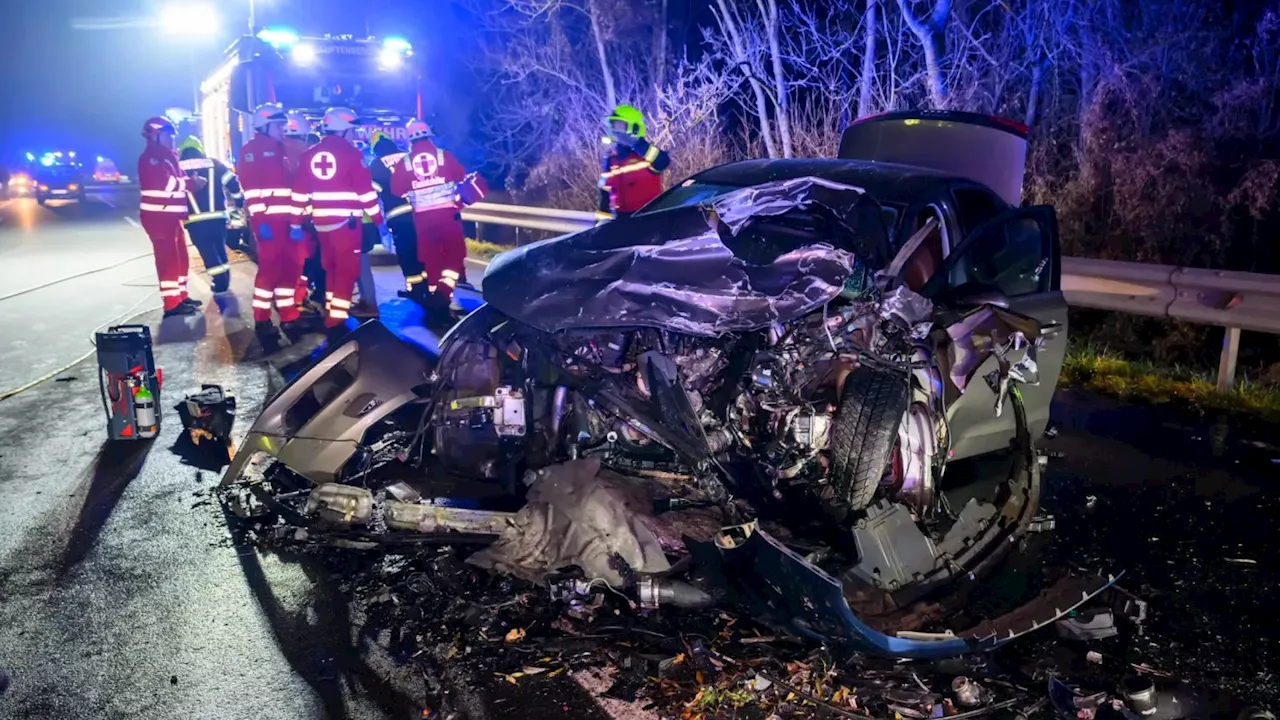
(30, 157)
(398, 44)
(189, 18)
(304, 54)
(99, 158)
(390, 59)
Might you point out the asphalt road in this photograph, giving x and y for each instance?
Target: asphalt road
(121, 596)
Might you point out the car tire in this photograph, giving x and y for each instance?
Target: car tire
(872, 403)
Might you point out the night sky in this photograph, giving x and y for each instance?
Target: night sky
(89, 90)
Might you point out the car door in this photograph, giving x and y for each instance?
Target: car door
(1013, 260)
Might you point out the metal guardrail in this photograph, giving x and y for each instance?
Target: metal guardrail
(1231, 300)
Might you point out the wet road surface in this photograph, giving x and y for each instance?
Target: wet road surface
(122, 597)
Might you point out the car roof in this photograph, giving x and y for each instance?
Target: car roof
(887, 182)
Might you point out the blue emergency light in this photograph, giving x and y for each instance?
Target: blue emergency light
(278, 37)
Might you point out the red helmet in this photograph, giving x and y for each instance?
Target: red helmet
(156, 125)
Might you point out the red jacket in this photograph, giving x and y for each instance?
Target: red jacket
(434, 182)
(293, 150)
(266, 179)
(332, 184)
(164, 187)
(631, 177)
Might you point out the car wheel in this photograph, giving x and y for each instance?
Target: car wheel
(865, 429)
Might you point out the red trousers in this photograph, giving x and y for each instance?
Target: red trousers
(278, 271)
(340, 256)
(169, 244)
(442, 248)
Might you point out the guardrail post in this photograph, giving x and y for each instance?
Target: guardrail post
(1227, 363)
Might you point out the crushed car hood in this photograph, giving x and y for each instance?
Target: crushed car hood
(753, 257)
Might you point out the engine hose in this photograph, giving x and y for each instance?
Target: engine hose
(290, 515)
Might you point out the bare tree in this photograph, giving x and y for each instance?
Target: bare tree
(869, 34)
(930, 30)
(769, 15)
(741, 51)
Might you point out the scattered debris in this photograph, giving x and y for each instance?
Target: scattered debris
(1241, 561)
(66, 378)
(1097, 624)
(968, 692)
(1094, 657)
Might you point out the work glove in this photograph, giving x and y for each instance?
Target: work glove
(264, 232)
(295, 233)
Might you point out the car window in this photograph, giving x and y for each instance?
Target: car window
(689, 192)
(1009, 256)
(974, 207)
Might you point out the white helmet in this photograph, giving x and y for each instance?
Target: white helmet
(297, 124)
(267, 113)
(338, 119)
(418, 130)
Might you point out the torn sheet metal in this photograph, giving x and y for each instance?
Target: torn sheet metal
(987, 331)
(674, 270)
(578, 515)
(763, 572)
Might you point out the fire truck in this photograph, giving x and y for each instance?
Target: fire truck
(376, 77)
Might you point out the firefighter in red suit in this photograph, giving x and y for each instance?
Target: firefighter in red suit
(631, 175)
(334, 187)
(266, 180)
(437, 187)
(295, 144)
(162, 209)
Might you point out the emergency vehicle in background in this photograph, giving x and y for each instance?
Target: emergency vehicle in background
(372, 76)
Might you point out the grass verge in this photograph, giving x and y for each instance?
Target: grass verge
(482, 250)
(1109, 374)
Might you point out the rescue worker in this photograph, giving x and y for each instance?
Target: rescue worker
(370, 236)
(266, 180)
(297, 132)
(207, 223)
(631, 175)
(335, 187)
(399, 214)
(436, 186)
(161, 211)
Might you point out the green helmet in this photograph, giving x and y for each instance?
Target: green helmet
(192, 142)
(629, 115)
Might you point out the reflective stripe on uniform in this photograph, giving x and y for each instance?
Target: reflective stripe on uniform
(219, 269)
(335, 195)
(628, 168)
(262, 304)
(162, 208)
(164, 193)
(339, 314)
(340, 303)
(399, 210)
(169, 284)
(267, 192)
(335, 212)
(652, 153)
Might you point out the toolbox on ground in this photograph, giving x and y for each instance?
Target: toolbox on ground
(129, 381)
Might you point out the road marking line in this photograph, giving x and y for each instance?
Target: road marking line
(103, 199)
(133, 222)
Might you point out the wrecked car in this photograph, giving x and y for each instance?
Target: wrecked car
(795, 345)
